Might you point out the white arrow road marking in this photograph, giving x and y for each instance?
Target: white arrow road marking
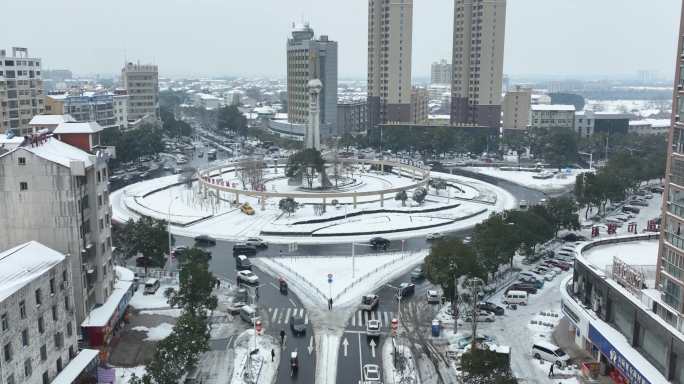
(311, 346)
(345, 344)
(372, 345)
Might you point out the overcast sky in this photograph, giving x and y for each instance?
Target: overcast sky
(247, 37)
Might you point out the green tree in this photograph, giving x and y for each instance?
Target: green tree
(401, 196)
(484, 366)
(531, 228)
(287, 205)
(146, 236)
(438, 184)
(307, 162)
(496, 241)
(562, 214)
(230, 119)
(419, 195)
(195, 284)
(448, 260)
(558, 147)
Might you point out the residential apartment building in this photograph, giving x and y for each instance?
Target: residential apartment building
(21, 89)
(554, 116)
(109, 109)
(670, 270)
(587, 123)
(478, 47)
(516, 108)
(309, 58)
(121, 108)
(420, 98)
(440, 72)
(390, 34)
(650, 126)
(352, 116)
(141, 81)
(56, 193)
(38, 327)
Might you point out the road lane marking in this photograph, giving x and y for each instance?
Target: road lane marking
(287, 317)
(384, 314)
(306, 319)
(360, 358)
(275, 315)
(293, 303)
(274, 286)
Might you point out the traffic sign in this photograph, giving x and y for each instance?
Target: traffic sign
(330, 278)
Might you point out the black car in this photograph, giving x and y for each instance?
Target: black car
(244, 249)
(490, 307)
(379, 243)
(406, 289)
(529, 288)
(297, 325)
(205, 240)
(573, 237)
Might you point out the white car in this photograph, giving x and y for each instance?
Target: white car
(247, 277)
(373, 328)
(481, 316)
(371, 372)
(432, 297)
(435, 236)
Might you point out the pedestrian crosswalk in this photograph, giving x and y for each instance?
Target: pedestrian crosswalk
(360, 318)
(282, 315)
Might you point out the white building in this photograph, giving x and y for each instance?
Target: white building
(142, 83)
(21, 89)
(440, 72)
(38, 328)
(554, 116)
(121, 108)
(57, 194)
(46, 122)
(650, 126)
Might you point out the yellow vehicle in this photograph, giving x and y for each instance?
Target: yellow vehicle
(247, 209)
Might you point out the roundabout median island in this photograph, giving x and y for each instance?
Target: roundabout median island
(334, 201)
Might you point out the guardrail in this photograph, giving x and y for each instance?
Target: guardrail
(301, 278)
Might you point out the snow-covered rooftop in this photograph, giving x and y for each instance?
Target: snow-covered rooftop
(76, 127)
(10, 143)
(59, 152)
(76, 366)
(655, 123)
(50, 119)
(552, 107)
(99, 317)
(24, 263)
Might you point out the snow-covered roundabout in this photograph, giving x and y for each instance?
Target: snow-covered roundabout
(364, 203)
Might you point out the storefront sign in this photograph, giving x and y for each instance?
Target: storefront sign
(628, 276)
(616, 358)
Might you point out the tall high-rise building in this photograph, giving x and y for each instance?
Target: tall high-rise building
(390, 30)
(440, 72)
(307, 59)
(670, 267)
(21, 89)
(142, 83)
(479, 28)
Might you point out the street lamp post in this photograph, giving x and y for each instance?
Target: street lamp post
(168, 226)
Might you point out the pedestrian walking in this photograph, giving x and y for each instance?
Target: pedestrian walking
(272, 355)
(551, 371)
(282, 336)
(330, 304)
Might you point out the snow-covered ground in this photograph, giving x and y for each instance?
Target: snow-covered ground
(262, 369)
(151, 302)
(123, 375)
(409, 374)
(475, 200)
(160, 332)
(642, 108)
(352, 277)
(558, 183)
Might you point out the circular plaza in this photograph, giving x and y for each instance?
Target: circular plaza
(349, 198)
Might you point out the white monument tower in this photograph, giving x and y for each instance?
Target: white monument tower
(312, 138)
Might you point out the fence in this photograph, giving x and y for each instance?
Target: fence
(163, 275)
(303, 280)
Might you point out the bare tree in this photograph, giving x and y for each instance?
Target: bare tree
(251, 172)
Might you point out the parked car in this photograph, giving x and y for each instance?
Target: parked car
(657, 189)
(256, 242)
(490, 307)
(247, 209)
(205, 240)
(529, 288)
(631, 208)
(242, 263)
(369, 302)
(434, 236)
(433, 297)
(244, 249)
(406, 289)
(572, 237)
(542, 350)
(558, 263)
(379, 243)
(247, 277)
(638, 203)
(373, 328)
(297, 325)
(417, 274)
(482, 316)
(371, 372)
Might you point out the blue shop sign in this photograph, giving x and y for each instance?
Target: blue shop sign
(616, 358)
